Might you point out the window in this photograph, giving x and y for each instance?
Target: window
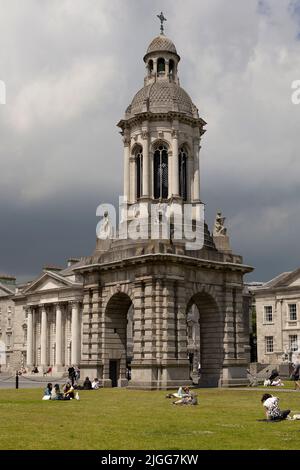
(139, 172)
(293, 343)
(268, 314)
(160, 162)
(182, 174)
(293, 312)
(269, 344)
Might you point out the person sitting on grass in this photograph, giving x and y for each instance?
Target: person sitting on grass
(187, 400)
(181, 393)
(56, 393)
(95, 384)
(87, 384)
(69, 392)
(272, 410)
(47, 392)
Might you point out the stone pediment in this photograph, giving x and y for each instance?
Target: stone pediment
(47, 282)
(4, 290)
(289, 279)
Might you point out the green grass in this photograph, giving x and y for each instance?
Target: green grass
(126, 419)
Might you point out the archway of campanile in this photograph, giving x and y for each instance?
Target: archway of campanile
(210, 347)
(118, 312)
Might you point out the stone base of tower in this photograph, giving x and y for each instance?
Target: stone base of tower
(91, 370)
(235, 375)
(169, 375)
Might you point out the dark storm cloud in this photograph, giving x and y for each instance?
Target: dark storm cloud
(71, 69)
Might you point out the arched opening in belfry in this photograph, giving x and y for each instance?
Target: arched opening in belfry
(139, 171)
(161, 66)
(183, 173)
(171, 68)
(118, 339)
(150, 67)
(160, 170)
(206, 341)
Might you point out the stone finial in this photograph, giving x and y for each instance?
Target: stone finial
(162, 19)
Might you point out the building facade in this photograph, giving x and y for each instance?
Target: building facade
(7, 321)
(277, 304)
(146, 304)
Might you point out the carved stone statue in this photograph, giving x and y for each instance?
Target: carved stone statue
(219, 229)
(106, 229)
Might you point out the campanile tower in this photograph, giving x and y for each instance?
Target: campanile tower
(138, 294)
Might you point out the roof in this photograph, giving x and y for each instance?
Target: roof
(161, 43)
(277, 280)
(162, 96)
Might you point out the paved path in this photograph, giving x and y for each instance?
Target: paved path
(264, 389)
(29, 382)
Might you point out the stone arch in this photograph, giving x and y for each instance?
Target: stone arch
(115, 336)
(159, 141)
(211, 335)
(186, 146)
(136, 148)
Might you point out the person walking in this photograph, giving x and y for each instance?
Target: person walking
(296, 376)
(71, 372)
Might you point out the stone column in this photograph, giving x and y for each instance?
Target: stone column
(75, 329)
(29, 338)
(145, 137)
(190, 179)
(43, 336)
(58, 337)
(126, 141)
(167, 67)
(175, 164)
(196, 171)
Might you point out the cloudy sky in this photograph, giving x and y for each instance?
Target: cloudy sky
(71, 67)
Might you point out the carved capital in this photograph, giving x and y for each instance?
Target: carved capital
(175, 134)
(145, 135)
(126, 141)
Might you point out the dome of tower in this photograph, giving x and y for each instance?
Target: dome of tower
(162, 97)
(161, 43)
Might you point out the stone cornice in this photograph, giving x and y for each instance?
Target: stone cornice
(170, 116)
(163, 257)
(263, 291)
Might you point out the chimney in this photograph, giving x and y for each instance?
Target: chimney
(8, 280)
(72, 261)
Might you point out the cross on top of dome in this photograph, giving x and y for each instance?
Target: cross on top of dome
(162, 19)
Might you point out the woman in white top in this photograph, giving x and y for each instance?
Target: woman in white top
(271, 406)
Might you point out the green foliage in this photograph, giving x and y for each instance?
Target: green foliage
(126, 419)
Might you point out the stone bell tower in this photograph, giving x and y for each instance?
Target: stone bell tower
(161, 280)
(162, 132)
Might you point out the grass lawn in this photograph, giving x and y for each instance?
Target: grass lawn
(126, 419)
